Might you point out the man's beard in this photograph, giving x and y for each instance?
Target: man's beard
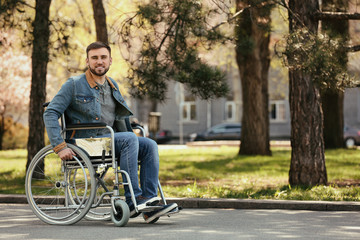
(99, 74)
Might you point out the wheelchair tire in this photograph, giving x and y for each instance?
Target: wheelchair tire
(122, 216)
(50, 182)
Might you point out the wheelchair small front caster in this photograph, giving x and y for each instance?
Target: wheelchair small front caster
(122, 215)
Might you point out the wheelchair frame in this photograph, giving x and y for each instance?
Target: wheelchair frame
(77, 180)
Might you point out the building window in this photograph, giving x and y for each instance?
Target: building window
(188, 111)
(277, 111)
(230, 111)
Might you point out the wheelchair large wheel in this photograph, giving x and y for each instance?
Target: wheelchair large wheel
(50, 182)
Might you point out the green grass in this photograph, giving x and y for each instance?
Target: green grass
(220, 172)
(12, 171)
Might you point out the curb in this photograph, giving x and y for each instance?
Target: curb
(235, 203)
(13, 198)
(266, 204)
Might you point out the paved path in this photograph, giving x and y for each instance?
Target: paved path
(18, 222)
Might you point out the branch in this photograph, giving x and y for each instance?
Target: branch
(354, 48)
(216, 2)
(263, 4)
(166, 35)
(336, 16)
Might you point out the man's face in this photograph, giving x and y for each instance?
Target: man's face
(99, 61)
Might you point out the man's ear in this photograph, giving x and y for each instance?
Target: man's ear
(110, 60)
(87, 62)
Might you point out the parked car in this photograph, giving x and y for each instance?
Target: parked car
(351, 136)
(224, 131)
(163, 136)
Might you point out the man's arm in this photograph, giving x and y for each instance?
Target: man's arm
(51, 116)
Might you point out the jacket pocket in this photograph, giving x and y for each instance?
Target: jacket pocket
(84, 103)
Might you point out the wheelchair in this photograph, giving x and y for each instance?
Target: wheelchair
(87, 186)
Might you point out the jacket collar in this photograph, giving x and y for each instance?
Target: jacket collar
(92, 82)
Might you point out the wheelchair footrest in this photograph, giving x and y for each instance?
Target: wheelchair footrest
(174, 211)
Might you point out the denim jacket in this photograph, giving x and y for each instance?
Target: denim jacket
(78, 98)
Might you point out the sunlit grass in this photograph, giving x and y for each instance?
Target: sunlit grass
(220, 173)
(12, 171)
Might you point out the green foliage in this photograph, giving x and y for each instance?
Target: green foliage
(151, 13)
(20, 14)
(319, 56)
(171, 34)
(7, 10)
(203, 80)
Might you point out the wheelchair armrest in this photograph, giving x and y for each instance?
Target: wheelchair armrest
(139, 127)
(85, 126)
(135, 125)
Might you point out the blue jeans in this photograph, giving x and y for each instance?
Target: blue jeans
(130, 149)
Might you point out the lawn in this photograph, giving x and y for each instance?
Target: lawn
(219, 172)
(12, 171)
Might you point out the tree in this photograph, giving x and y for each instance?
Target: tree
(14, 14)
(13, 99)
(252, 33)
(314, 65)
(162, 41)
(333, 99)
(307, 155)
(40, 58)
(100, 21)
(186, 23)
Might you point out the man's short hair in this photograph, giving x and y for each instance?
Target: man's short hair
(97, 45)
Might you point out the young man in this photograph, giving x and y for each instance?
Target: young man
(94, 97)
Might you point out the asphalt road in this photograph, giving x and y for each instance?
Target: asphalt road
(18, 222)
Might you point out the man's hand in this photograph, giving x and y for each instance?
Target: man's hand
(66, 154)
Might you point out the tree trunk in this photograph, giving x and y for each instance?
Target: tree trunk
(333, 107)
(253, 57)
(100, 21)
(307, 156)
(40, 58)
(333, 100)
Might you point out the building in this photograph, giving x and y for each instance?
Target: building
(198, 115)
